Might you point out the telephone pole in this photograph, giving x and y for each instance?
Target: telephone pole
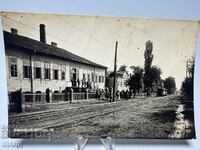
(186, 68)
(30, 71)
(115, 67)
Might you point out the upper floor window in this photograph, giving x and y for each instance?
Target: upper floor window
(13, 66)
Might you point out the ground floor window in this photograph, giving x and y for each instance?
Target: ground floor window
(27, 71)
(96, 78)
(92, 77)
(88, 77)
(84, 76)
(37, 72)
(100, 79)
(55, 74)
(63, 75)
(13, 70)
(47, 73)
(13, 66)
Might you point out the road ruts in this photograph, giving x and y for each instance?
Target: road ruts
(59, 116)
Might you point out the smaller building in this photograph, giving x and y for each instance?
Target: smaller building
(158, 88)
(121, 78)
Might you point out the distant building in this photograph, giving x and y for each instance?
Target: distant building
(35, 65)
(158, 87)
(121, 78)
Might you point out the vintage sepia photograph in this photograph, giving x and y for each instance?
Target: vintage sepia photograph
(72, 76)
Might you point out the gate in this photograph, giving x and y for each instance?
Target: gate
(15, 101)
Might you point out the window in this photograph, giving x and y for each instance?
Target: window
(83, 76)
(47, 73)
(27, 71)
(63, 75)
(95, 78)
(47, 70)
(100, 79)
(37, 69)
(88, 77)
(37, 72)
(13, 66)
(56, 70)
(55, 74)
(92, 77)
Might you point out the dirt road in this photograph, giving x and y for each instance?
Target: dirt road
(154, 117)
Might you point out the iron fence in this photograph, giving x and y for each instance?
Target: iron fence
(34, 97)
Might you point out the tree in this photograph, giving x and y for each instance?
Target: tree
(135, 81)
(122, 68)
(154, 77)
(190, 68)
(170, 85)
(187, 88)
(155, 73)
(148, 56)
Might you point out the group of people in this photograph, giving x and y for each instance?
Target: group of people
(126, 94)
(107, 94)
(81, 83)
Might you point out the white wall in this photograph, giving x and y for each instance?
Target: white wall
(42, 84)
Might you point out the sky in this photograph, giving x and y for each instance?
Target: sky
(94, 38)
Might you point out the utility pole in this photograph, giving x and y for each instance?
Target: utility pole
(31, 73)
(115, 67)
(186, 68)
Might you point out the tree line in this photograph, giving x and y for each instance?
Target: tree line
(148, 79)
(187, 87)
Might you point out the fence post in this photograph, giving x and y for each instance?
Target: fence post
(110, 94)
(71, 95)
(47, 95)
(42, 97)
(23, 102)
(86, 94)
(32, 97)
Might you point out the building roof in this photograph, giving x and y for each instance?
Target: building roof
(35, 46)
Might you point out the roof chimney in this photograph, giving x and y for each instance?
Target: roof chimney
(54, 44)
(42, 33)
(13, 31)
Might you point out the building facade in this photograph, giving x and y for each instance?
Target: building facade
(35, 66)
(121, 78)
